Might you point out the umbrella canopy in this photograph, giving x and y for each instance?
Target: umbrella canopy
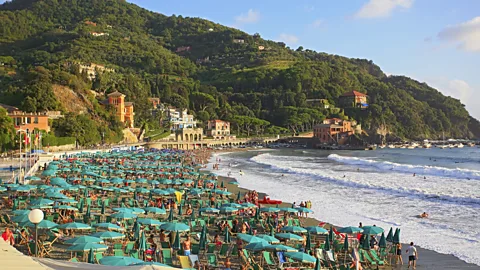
(300, 257)
(366, 243)
(91, 256)
(124, 215)
(175, 227)
(155, 210)
(372, 230)
(288, 209)
(345, 243)
(228, 210)
(396, 236)
(142, 245)
(316, 230)
(87, 246)
(289, 236)
(42, 201)
(75, 226)
(294, 229)
(269, 209)
(109, 226)
(249, 205)
(268, 238)
(20, 218)
(209, 210)
(249, 238)
(119, 261)
(350, 230)
(390, 235)
(149, 221)
(44, 224)
(280, 248)
(176, 243)
(257, 246)
(383, 241)
(108, 235)
(83, 240)
(308, 244)
(227, 238)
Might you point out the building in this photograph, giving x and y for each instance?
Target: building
(95, 34)
(180, 119)
(189, 134)
(318, 102)
(27, 121)
(93, 69)
(183, 49)
(238, 40)
(354, 99)
(261, 48)
(333, 131)
(155, 102)
(218, 129)
(124, 110)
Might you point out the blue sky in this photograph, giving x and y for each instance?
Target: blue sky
(433, 41)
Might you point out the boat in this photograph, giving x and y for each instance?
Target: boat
(460, 145)
(391, 146)
(267, 200)
(427, 145)
(443, 146)
(411, 147)
(471, 144)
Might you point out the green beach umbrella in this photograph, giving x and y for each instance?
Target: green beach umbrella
(318, 266)
(327, 244)
(44, 224)
(248, 205)
(227, 238)
(250, 230)
(119, 261)
(316, 230)
(108, 235)
(83, 240)
(293, 229)
(289, 236)
(102, 211)
(109, 226)
(176, 243)
(239, 195)
(21, 212)
(270, 239)
(86, 217)
(281, 248)
(269, 209)
(124, 215)
(383, 241)
(42, 201)
(81, 205)
(222, 185)
(249, 238)
(143, 242)
(75, 226)
(87, 246)
(350, 230)
(366, 243)
(345, 243)
(209, 210)
(149, 221)
(288, 209)
(136, 229)
(300, 257)
(390, 235)
(228, 210)
(180, 212)
(372, 230)
(65, 207)
(331, 235)
(170, 215)
(91, 256)
(203, 238)
(308, 244)
(20, 218)
(175, 227)
(257, 246)
(396, 236)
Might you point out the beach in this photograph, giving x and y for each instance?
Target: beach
(429, 259)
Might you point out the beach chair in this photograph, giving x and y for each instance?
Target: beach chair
(74, 259)
(224, 250)
(118, 252)
(195, 249)
(375, 256)
(211, 248)
(134, 254)
(193, 259)
(364, 257)
(281, 259)
(234, 251)
(165, 245)
(117, 246)
(98, 257)
(167, 256)
(185, 262)
(129, 247)
(212, 260)
(268, 259)
(296, 222)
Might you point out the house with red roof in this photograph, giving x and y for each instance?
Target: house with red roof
(354, 99)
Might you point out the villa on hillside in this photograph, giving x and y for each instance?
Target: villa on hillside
(124, 110)
(354, 99)
(218, 129)
(180, 118)
(318, 102)
(93, 69)
(335, 131)
(27, 121)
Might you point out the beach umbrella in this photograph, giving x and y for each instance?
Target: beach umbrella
(268, 238)
(149, 221)
(288, 209)
(239, 195)
(289, 236)
(153, 264)
(119, 261)
(396, 236)
(281, 248)
(304, 210)
(345, 243)
(87, 246)
(124, 215)
(203, 238)
(372, 230)
(176, 243)
(20, 218)
(83, 240)
(21, 212)
(316, 230)
(2, 189)
(136, 229)
(75, 226)
(308, 244)
(192, 216)
(175, 227)
(227, 235)
(44, 224)
(234, 205)
(269, 209)
(257, 246)
(222, 185)
(86, 217)
(91, 257)
(249, 238)
(102, 210)
(331, 235)
(49, 173)
(109, 226)
(170, 215)
(180, 212)
(234, 183)
(209, 210)
(42, 201)
(318, 266)
(294, 229)
(142, 245)
(390, 235)
(81, 205)
(248, 205)
(65, 207)
(228, 210)
(300, 257)
(327, 244)
(383, 242)
(250, 230)
(108, 235)
(350, 230)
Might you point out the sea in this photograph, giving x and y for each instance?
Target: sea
(385, 187)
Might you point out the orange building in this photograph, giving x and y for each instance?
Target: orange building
(218, 129)
(124, 110)
(27, 121)
(333, 131)
(155, 102)
(354, 99)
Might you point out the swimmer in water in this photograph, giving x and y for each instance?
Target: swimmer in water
(414, 174)
(424, 177)
(283, 175)
(424, 215)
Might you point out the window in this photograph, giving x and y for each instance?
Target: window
(29, 120)
(35, 120)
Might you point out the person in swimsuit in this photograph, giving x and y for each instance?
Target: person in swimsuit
(228, 264)
(186, 246)
(399, 254)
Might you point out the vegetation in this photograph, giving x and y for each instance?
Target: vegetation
(7, 131)
(260, 86)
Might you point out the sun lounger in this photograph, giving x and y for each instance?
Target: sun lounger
(212, 260)
(193, 259)
(375, 256)
(184, 262)
(268, 259)
(167, 256)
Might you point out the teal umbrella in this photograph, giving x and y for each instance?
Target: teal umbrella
(75, 226)
(124, 215)
(203, 238)
(345, 244)
(175, 227)
(21, 212)
(257, 246)
(383, 241)
(44, 224)
(176, 243)
(372, 230)
(300, 257)
(390, 235)
(149, 221)
(280, 248)
(20, 218)
(209, 210)
(109, 226)
(83, 240)
(350, 230)
(269, 209)
(119, 261)
(142, 245)
(222, 185)
(249, 238)
(42, 201)
(227, 235)
(289, 236)
(91, 256)
(86, 217)
(327, 244)
(294, 229)
(87, 246)
(170, 215)
(365, 243)
(331, 235)
(228, 210)
(248, 205)
(136, 229)
(396, 236)
(288, 209)
(65, 207)
(316, 230)
(308, 244)
(102, 211)
(268, 238)
(155, 210)
(318, 266)
(108, 235)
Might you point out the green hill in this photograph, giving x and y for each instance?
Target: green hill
(216, 71)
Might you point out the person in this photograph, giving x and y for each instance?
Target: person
(197, 265)
(373, 242)
(7, 236)
(360, 225)
(186, 246)
(163, 236)
(424, 215)
(412, 256)
(399, 254)
(228, 264)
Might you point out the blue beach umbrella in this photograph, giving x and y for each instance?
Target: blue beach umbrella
(289, 236)
(316, 230)
(87, 246)
(300, 257)
(119, 261)
(284, 248)
(75, 226)
(108, 235)
(83, 240)
(270, 239)
(109, 226)
(350, 230)
(294, 229)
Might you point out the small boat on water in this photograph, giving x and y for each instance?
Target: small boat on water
(391, 146)
(443, 146)
(471, 144)
(460, 145)
(427, 145)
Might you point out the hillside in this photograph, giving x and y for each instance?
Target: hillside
(216, 71)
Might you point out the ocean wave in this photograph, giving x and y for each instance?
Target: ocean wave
(406, 168)
(275, 163)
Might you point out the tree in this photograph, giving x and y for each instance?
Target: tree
(299, 49)
(201, 101)
(7, 131)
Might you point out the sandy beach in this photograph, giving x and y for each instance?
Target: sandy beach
(428, 259)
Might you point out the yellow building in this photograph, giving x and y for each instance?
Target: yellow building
(124, 110)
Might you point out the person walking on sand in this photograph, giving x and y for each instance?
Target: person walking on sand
(398, 254)
(412, 256)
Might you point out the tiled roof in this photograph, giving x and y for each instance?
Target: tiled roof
(353, 93)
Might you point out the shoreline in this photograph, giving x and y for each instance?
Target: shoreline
(428, 259)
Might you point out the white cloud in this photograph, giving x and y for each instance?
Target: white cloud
(252, 16)
(466, 35)
(381, 8)
(287, 38)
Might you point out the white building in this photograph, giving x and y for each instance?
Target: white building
(180, 119)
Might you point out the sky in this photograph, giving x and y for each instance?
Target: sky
(432, 41)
